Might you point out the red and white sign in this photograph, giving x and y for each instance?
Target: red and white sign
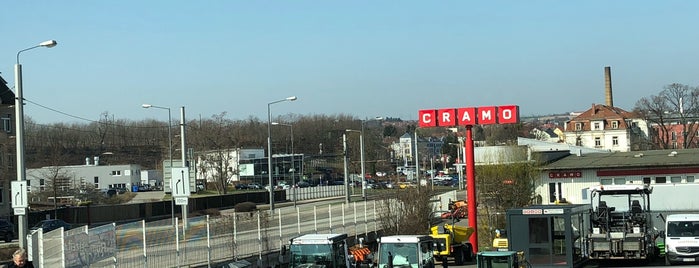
(565, 174)
(468, 116)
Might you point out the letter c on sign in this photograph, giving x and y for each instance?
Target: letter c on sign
(427, 118)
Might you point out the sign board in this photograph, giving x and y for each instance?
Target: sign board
(246, 169)
(487, 115)
(19, 194)
(180, 182)
(181, 201)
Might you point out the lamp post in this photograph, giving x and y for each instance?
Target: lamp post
(169, 137)
(19, 125)
(269, 148)
(293, 162)
(361, 153)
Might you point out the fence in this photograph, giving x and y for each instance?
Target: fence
(203, 241)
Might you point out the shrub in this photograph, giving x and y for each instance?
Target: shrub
(245, 207)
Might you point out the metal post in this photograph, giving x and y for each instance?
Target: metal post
(361, 153)
(169, 138)
(184, 161)
(19, 139)
(269, 149)
(344, 157)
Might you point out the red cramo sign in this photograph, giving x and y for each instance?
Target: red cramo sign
(487, 115)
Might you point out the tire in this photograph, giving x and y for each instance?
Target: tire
(459, 257)
(667, 261)
(468, 253)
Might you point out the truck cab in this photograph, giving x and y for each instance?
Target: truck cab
(409, 251)
(319, 250)
(681, 238)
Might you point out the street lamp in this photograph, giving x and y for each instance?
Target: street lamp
(361, 152)
(19, 125)
(269, 148)
(293, 162)
(169, 138)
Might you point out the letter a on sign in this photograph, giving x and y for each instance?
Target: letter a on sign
(427, 118)
(467, 116)
(447, 117)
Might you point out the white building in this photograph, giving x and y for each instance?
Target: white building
(210, 163)
(88, 175)
(606, 127)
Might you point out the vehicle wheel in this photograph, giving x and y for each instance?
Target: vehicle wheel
(459, 257)
(667, 260)
(468, 253)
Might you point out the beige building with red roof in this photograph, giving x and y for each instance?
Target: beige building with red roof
(606, 127)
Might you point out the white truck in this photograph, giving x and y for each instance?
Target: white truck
(681, 238)
(409, 251)
(319, 250)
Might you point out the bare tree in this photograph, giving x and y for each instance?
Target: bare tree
(407, 211)
(676, 104)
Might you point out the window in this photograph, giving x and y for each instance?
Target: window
(690, 179)
(42, 182)
(578, 126)
(598, 142)
(605, 181)
(673, 135)
(96, 179)
(674, 145)
(660, 180)
(619, 181)
(7, 123)
(553, 192)
(615, 124)
(675, 179)
(597, 126)
(615, 141)
(115, 173)
(646, 180)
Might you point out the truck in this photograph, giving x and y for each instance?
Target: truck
(409, 251)
(621, 223)
(681, 238)
(452, 243)
(319, 250)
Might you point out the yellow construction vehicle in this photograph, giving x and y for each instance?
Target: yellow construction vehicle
(452, 242)
(501, 259)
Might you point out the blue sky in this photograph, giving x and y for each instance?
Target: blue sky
(362, 58)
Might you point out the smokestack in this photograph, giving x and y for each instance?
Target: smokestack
(609, 100)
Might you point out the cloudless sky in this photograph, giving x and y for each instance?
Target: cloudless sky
(361, 58)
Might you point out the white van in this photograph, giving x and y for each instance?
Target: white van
(681, 238)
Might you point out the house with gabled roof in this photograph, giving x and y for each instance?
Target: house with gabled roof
(606, 127)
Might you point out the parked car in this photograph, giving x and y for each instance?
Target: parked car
(7, 230)
(255, 186)
(50, 225)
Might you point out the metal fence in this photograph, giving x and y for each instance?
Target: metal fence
(204, 241)
(201, 241)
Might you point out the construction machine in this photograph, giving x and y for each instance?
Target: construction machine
(501, 259)
(405, 251)
(452, 243)
(621, 224)
(327, 250)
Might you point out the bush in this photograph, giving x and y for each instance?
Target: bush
(245, 207)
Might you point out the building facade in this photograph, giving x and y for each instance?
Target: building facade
(606, 127)
(83, 176)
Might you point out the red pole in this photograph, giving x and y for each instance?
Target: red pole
(471, 188)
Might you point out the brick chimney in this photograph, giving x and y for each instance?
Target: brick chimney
(609, 100)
